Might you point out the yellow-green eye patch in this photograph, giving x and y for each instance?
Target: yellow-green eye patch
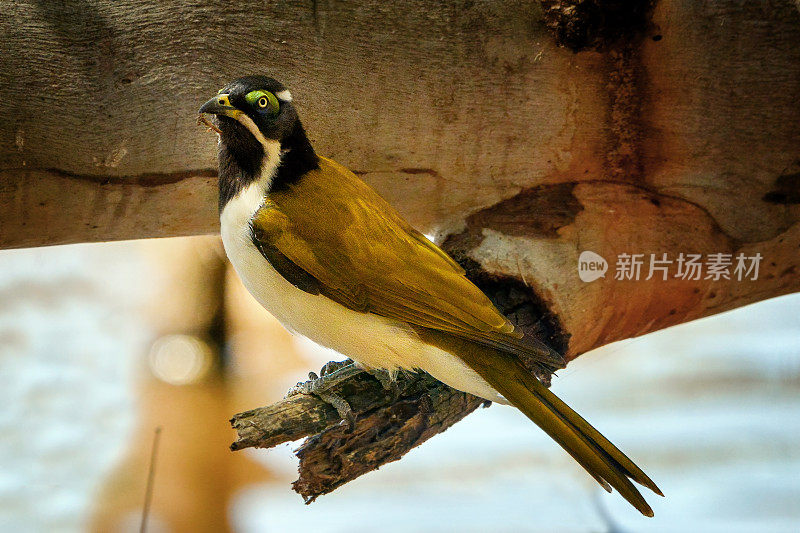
(263, 100)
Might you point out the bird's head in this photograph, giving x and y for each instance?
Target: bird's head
(259, 105)
(261, 138)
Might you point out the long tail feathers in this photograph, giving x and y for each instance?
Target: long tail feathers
(604, 461)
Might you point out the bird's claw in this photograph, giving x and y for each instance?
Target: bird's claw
(332, 374)
(332, 366)
(342, 407)
(388, 381)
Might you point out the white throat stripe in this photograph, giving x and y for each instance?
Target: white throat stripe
(272, 152)
(248, 123)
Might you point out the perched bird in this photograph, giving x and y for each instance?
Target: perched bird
(333, 261)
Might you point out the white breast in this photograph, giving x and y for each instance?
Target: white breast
(373, 341)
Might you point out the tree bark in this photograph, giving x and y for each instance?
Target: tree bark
(520, 133)
(386, 426)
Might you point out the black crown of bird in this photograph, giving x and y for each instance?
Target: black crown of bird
(333, 261)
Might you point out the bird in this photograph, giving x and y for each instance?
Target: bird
(333, 261)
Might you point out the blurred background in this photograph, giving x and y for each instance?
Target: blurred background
(100, 344)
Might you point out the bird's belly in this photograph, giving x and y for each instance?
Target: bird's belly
(372, 340)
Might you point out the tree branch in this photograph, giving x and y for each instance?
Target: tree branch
(49, 207)
(386, 427)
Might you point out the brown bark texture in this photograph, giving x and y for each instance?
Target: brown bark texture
(521, 133)
(387, 424)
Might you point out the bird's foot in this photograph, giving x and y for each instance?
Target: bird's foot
(332, 366)
(388, 380)
(332, 374)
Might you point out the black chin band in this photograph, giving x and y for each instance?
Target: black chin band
(298, 158)
(240, 157)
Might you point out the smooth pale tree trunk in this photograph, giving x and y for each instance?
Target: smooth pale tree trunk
(520, 133)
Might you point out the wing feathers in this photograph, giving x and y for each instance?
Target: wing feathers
(373, 261)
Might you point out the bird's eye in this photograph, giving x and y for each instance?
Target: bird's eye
(263, 100)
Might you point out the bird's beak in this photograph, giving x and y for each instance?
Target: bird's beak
(220, 105)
